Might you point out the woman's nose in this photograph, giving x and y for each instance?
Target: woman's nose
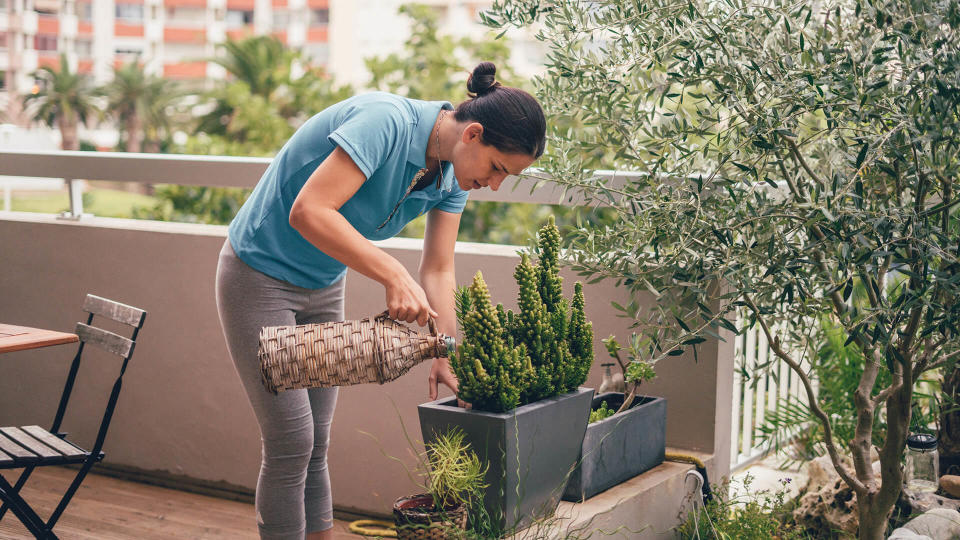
(496, 181)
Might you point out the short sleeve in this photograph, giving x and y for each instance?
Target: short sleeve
(369, 134)
(453, 202)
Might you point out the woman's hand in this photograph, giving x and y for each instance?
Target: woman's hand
(440, 372)
(406, 300)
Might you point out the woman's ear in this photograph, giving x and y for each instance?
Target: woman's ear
(472, 133)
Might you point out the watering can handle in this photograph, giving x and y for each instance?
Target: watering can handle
(431, 323)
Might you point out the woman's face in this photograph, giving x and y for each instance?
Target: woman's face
(478, 165)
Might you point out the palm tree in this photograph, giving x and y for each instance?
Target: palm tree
(138, 102)
(263, 62)
(63, 99)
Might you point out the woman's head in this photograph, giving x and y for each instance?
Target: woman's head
(508, 124)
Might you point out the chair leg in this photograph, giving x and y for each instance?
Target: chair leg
(24, 513)
(81, 474)
(16, 488)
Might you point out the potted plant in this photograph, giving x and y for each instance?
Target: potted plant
(454, 478)
(521, 373)
(627, 432)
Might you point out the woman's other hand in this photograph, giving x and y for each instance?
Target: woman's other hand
(440, 372)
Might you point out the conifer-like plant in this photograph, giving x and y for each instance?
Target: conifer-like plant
(509, 359)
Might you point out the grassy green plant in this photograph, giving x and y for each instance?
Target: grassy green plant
(455, 473)
(757, 515)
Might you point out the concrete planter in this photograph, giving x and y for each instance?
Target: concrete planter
(619, 447)
(530, 450)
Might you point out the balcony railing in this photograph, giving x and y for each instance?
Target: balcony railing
(184, 413)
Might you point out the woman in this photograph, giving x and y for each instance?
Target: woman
(357, 171)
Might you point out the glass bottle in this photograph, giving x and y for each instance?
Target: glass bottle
(607, 381)
(612, 382)
(921, 472)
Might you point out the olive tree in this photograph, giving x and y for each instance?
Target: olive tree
(787, 152)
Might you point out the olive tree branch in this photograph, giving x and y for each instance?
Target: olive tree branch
(777, 349)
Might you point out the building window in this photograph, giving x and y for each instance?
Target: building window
(237, 18)
(85, 11)
(45, 42)
(281, 19)
(127, 51)
(84, 48)
(3, 40)
(130, 12)
(319, 17)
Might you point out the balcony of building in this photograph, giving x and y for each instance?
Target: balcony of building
(184, 422)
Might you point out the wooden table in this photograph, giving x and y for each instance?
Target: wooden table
(19, 338)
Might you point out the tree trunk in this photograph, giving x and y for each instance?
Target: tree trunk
(949, 445)
(873, 521)
(67, 123)
(134, 133)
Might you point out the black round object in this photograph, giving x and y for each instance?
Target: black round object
(922, 441)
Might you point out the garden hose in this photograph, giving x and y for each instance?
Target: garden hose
(373, 527)
(701, 468)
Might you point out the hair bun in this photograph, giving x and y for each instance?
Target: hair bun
(483, 79)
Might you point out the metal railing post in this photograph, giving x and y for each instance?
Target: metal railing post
(75, 188)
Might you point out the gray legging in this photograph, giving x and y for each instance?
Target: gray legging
(293, 491)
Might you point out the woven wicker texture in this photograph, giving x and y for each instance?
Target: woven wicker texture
(371, 350)
(421, 524)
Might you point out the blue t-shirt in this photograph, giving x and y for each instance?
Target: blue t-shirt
(386, 136)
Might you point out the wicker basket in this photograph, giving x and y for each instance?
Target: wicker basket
(415, 519)
(371, 350)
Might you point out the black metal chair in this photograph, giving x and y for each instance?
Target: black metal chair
(29, 447)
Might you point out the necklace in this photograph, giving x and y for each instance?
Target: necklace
(443, 114)
(420, 174)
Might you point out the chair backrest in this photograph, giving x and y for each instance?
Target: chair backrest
(108, 341)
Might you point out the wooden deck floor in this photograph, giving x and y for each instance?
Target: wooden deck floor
(106, 508)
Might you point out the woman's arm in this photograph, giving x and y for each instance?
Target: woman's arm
(316, 217)
(439, 282)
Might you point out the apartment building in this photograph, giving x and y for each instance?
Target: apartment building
(174, 37)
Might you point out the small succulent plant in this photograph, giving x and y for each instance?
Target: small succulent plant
(509, 359)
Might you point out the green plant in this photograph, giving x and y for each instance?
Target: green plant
(63, 99)
(635, 371)
(455, 474)
(754, 515)
(601, 413)
(509, 359)
(785, 151)
(837, 370)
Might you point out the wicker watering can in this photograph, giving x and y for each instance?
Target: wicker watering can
(343, 353)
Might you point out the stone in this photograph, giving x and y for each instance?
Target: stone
(951, 484)
(936, 524)
(827, 503)
(907, 534)
(913, 503)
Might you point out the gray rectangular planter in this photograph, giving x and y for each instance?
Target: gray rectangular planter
(619, 447)
(530, 451)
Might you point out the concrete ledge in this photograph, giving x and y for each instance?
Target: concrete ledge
(646, 507)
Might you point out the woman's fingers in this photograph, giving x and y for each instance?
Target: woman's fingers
(407, 302)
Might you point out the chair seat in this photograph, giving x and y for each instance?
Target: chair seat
(30, 446)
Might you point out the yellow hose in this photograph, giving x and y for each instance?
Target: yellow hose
(373, 527)
(701, 468)
(684, 458)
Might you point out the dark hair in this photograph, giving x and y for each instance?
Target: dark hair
(512, 119)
